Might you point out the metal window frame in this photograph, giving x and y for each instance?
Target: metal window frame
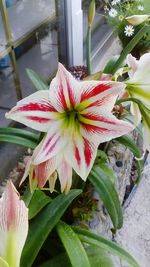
(74, 27)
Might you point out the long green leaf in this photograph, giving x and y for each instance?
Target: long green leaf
(9, 138)
(104, 186)
(73, 245)
(96, 255)
(99, 241)
(42, 225)
(110, 64)
(19, 132)
(38, 201)
(129, 143)
(56, 261)
(145, 29)
(39, 83)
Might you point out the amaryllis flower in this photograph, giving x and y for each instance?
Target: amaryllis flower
(138, 84)
(76, 116)
(46, 171)
(138, 87)
(13, 227)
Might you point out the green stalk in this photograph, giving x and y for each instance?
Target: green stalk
(145, 29)
(88, 50)
(121, 100)
(91, 14)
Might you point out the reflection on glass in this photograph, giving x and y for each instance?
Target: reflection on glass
(34, 40)
(100, 31)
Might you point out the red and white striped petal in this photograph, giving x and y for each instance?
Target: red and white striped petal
(34, 111)
(64, 90)
(81, 151)
(65, 175)
(103, 105)
(101, 128)
(44, 170)
(51, 145)
(98, 94)
(13, 225)
(80, 154)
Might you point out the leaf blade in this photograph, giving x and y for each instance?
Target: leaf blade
(104, 186)
(19, 132)
(42, 225)
(99, 241)
(73, 246)
(38, 82)
(17, 140)
(38, 201)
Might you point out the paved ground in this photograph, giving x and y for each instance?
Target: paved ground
(135, 234)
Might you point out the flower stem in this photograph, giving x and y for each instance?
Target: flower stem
(121, 100)
(88, 51)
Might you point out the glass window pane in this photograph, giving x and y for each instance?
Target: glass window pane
(104, 45)
(8, 96)
(39, 53)
(27, 15)
(33, 27)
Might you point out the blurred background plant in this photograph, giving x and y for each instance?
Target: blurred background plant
(116, 12)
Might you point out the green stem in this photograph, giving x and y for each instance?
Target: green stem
(88, 51)
(145, 29)
(127, 100)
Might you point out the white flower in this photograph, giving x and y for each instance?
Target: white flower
(115, 2)
(138, 87)
(129, 30)
(113, 12)
(140, 7)
(76, 117)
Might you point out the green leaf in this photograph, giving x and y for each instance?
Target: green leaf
(19, 132)
(73, 245)
(109, 172)
(39, 83)
(98, 257)
(38, 201)
(144, 30)
(103, 185)
(42, 225)
(55, 262)
(129, 143)
(109, 66)
(109, 246)
(101, 155)
(27, 195)
(9, 138)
